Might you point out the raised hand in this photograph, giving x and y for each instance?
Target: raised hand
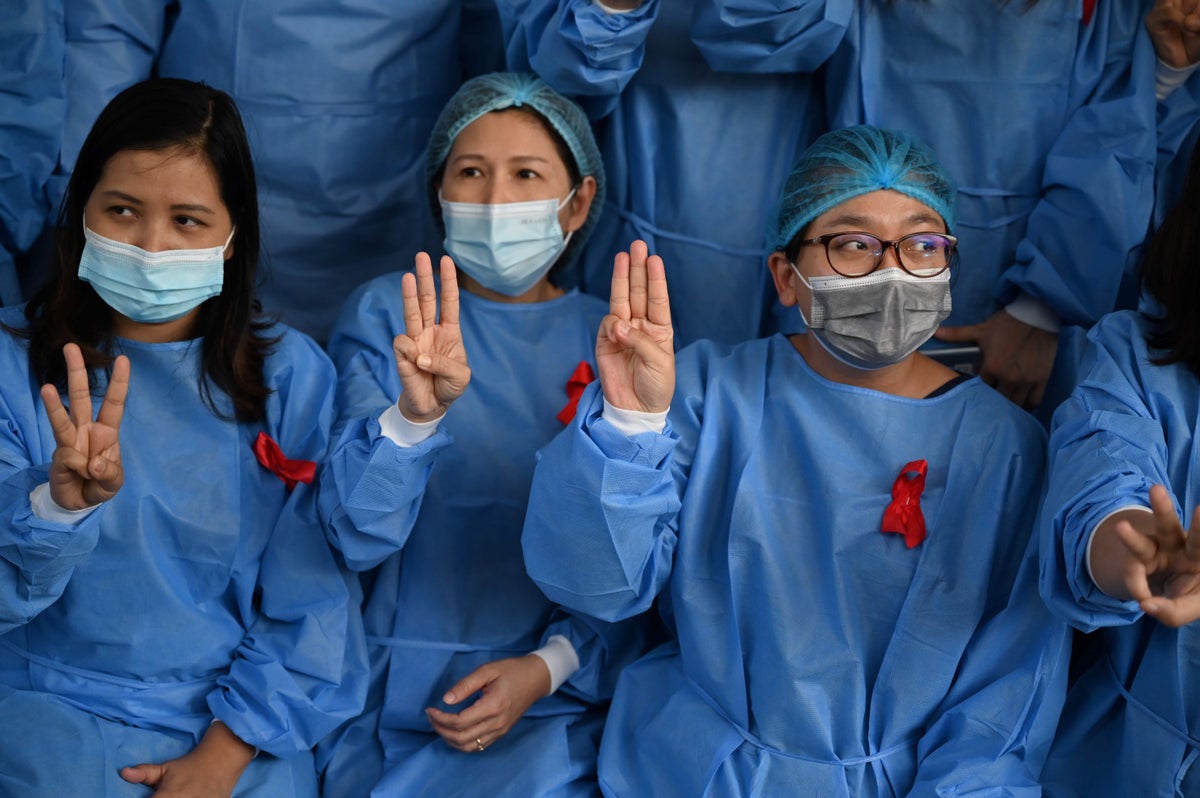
(1162, 569)
(430, 358)
(86, 466)
(509, 688)
(1174, 27)
(634, 351)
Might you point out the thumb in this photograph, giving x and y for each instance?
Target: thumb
(469, 685)
(966, 332)
(147, 774)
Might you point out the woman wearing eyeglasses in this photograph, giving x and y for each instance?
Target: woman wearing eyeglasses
(835, 527)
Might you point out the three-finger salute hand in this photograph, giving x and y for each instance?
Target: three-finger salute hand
(430, 357)
(635, 351)
(86, 467)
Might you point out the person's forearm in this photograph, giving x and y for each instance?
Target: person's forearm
(1109, 558)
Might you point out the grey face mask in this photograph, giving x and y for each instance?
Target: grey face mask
(874, 321)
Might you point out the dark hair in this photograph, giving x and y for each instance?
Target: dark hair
(1171, 274)
(560, 146)
(157, 115)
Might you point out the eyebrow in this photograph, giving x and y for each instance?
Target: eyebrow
(182, 206)
(862, 221)
(473, 156)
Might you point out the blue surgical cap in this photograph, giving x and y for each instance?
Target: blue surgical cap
(501, 90)
(846, 163)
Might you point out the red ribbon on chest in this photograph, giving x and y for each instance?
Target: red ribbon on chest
(580, 379)
(903, 516)
(290, 471)
(1089, 7)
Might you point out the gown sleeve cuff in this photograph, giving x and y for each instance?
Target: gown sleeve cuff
(561, 658)
(1092, 538)
(404, 433)
(46, 509)
(1032, 311)
(634, 422)
(1168, 78)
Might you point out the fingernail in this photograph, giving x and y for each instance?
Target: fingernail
(623, 328)
(424, 361)
(448, 698)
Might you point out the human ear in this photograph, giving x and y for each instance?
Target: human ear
(783, 275)
(580, 204)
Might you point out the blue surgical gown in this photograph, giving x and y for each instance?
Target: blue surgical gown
(203, 590)
(32, 111)
(1131, 724)
(1178, 132)
(338, 100)
(440, 524)
(695, 145)
(812, 652)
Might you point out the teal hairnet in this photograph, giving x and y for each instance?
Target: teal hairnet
(846, 163)
(501, 90)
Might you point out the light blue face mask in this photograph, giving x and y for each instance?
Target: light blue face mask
(506, 246)
(151, 287)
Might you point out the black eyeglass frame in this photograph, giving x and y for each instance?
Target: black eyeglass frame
(884, 247)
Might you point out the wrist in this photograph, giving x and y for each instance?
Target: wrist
(416, 417)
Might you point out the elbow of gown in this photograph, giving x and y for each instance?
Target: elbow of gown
(762, 38)
(578, 48)
(301, 668)
(38, 556)
(371, 491)
(599, 533)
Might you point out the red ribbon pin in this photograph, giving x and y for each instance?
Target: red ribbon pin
(290, 471)
(903, 516)
(580, 378)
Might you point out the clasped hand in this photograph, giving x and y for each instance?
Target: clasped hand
(430, 358)
(507, 687)
(86, 466)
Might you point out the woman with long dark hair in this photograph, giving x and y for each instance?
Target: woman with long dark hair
(171, 614)
(1119, 532)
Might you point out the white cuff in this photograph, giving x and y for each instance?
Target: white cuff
(633, 422)
(1092, 537)
(610, 10)
(560, 657)
(46, 509)
(404, 433)
(1167, 78)
(1034, 312)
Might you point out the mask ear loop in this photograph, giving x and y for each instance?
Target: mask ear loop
(799, 305)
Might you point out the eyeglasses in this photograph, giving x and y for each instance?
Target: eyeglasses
(859, 254)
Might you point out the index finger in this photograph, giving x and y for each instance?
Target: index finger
(78, 389)
(56, 414)
(112, 409)
(449, 292)
(412, 312)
